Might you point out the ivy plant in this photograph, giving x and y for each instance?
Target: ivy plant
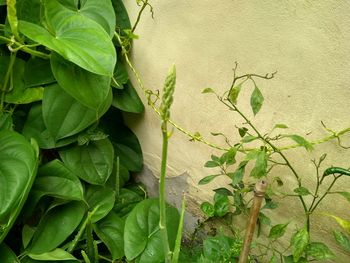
(66, 154)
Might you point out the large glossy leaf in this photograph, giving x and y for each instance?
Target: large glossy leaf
(127, 99)
(17, 172)
(88, 88)
(75, 37)
(100, 200)
(34, 127)
(7, 255)
(126, 144)
(111, 231)
(29, 10)
(93, 162)
(122, 17)
(38, 72)
(64, 116)
(56, 225)
(120, 76)
(19, 94)
(100, 11)
(6, 121)
(142, 236)
(126, 201)
(54, 179)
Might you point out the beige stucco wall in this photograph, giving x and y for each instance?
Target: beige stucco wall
(307, 41)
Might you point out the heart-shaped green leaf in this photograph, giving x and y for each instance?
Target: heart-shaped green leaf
(38, 72)
(17, 173)
(142, 235)
(56, 225)
(54, 179)
(64, 116)
(34, 127)
(111, 231)
(6, 121)
(122, 17)
(7, 255)
(101, 200)
(120, 76)
(126, 144)
(19, 94)
(75, 37)
(127, 99)
(101, 12)
(93, 162)
(126, 201)
(29, 10)
(88, 88)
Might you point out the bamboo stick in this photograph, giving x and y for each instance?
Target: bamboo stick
(259, 193)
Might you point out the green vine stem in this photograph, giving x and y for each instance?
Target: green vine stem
(312, 208)
(7, 79)
(82, 228)
(26, 48)
(144, 5)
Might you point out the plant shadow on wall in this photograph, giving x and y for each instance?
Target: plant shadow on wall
(66, 155)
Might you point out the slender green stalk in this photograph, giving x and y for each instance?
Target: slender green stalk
(85, 257)
(7, 79)
(25, 48)
(81, 230)
(117, 179)
(162, 199)
(144, 5)
(167, 99)
(325, 194)
(90, 250)
(315, 195)
(177, 247)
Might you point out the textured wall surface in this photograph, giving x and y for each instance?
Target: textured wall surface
(306, 41)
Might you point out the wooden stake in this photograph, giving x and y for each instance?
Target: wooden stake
(259, 193)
